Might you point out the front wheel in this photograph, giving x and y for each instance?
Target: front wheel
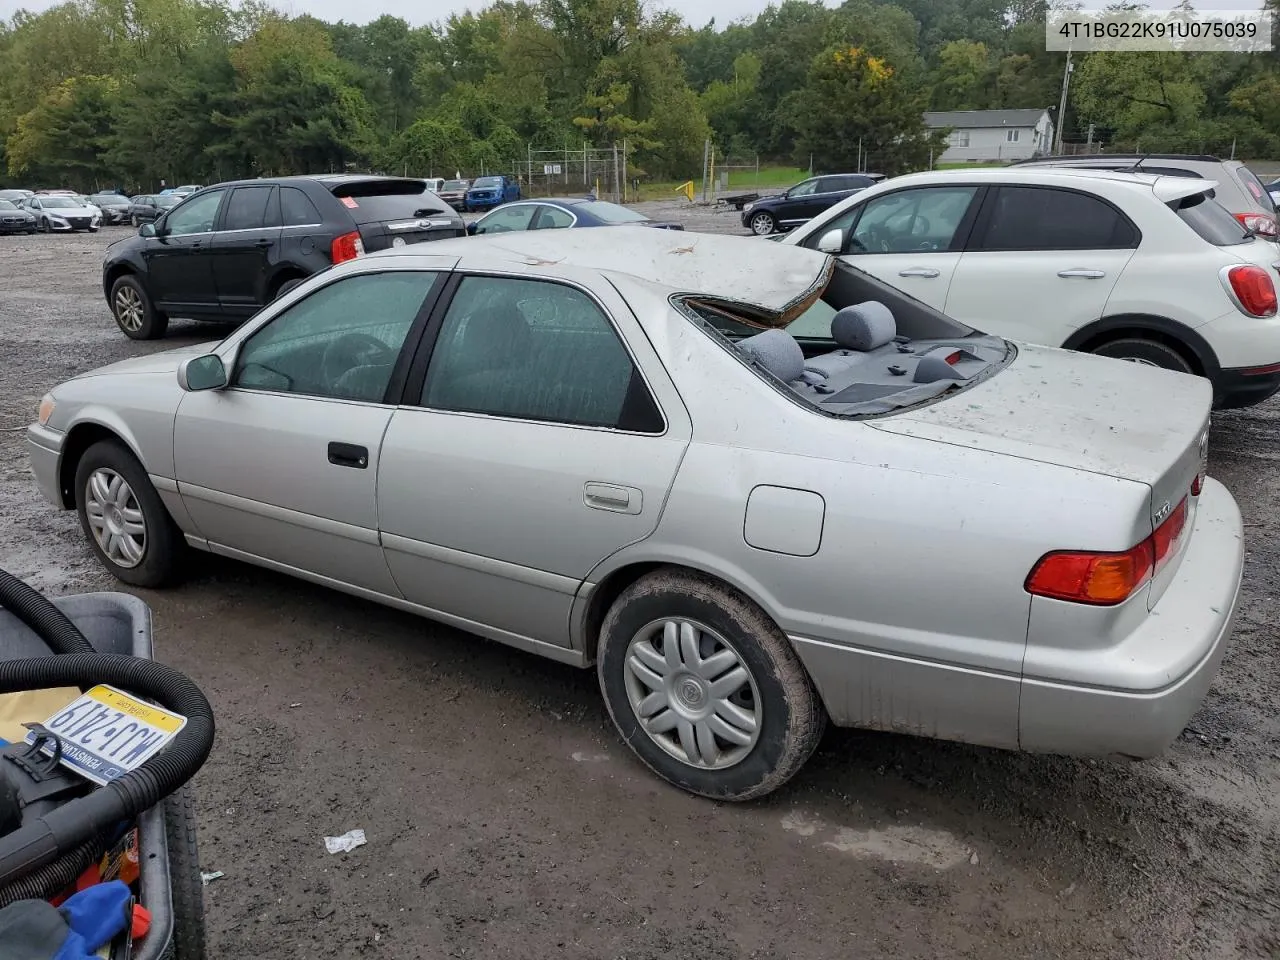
(133, 220)
(1151, 353)
(763, 224)
(705, 688)
(123, 517)
(135, 314)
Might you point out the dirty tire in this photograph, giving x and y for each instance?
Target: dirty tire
(129, 295)
(1142, 350)
(164, 547)
(184, 878)
(793, 718)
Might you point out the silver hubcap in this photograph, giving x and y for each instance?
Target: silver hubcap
(115, 517)
(129, 308)
(762, 225)
(692, 693)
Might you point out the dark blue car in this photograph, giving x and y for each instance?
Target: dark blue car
(489, 192)
(558, 213)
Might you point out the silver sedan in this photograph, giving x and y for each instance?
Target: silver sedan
(757, 488)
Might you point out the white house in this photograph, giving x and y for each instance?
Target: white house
(986, 136)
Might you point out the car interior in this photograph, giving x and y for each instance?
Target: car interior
(890, 350)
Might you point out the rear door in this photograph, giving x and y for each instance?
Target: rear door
(245, 247)
(909, 238)
(394, 212)
(1041, 264)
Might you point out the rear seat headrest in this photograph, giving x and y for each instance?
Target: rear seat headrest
(777, 351)
(864, 326)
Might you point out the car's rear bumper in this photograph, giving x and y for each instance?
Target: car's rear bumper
(44, 453)
(1192, 621)
(1245, 386)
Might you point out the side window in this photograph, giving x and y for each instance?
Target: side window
(247, 209)
(806, 189)
(195, 216)
(841, 223)
(908, 221)
(535, 350)
(341, 342)
(1045, 218)
(507, 219)
(296, 208)
(553, 218)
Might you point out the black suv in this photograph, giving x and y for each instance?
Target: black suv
(227, 250)
(803, 202)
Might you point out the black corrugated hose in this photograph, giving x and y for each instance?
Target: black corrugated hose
(36, 849)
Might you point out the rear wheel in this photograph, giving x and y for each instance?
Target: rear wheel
(1152, 353)
(135, 314)
(763, 224)
(705, 688)
(286, 287)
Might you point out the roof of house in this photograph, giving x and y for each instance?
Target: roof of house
(979, 119)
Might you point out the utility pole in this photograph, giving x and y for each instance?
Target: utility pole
(1088, 147)
(624, 169)
(859, 170)
(706, 149)
(617, 191)
(1062, 104)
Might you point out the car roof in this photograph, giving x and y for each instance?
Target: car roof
(1050, 176)
(739, 270)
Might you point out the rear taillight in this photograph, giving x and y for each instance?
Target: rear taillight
(1259, 223)
(1251, 288)
(1105, 579)
(346, 247)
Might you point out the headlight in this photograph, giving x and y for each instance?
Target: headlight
(58, 220)
(47, 404)
(748, 208)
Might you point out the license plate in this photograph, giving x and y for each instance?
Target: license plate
(106, 733)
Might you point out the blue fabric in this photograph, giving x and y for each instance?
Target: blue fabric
(95, 916)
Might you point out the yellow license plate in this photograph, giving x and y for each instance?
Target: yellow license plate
(105, 733)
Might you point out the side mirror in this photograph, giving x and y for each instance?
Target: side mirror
(832, 242)
(471, 228)
(147, 230)
(202, 373)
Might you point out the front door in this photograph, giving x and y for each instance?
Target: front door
(535, 450)
(282, 465)
(911, 239)
(1041, 264)
(245, 247)
(179, 268)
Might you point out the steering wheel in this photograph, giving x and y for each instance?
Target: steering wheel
(353, 350)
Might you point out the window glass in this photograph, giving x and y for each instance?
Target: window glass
(197, 216)
(910, 221)
(1255, 188)
(536, 351)
(297, 209)
(553, 218)
(1211, 221)
(341, 342)
(507, 219)
(1011, 136)
(808, 188)
(611, 212)
(247, 209)
(1043, 218)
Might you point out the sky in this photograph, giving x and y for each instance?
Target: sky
(418, 12)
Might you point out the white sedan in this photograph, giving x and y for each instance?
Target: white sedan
(606, 447)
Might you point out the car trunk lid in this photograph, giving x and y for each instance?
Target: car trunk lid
(1076, 410)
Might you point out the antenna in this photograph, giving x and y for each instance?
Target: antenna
(1137, 164)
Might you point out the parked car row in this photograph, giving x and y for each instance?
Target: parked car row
(50, 211)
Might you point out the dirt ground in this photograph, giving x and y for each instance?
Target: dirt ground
(505, 820)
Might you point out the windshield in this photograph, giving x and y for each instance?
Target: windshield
(611, 212)
(59, 203)
(169, 200)
(6, 205)
(454, 185)
(488, 182)
(377, 201)
(1212, 221)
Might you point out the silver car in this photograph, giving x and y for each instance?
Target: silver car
(757, 488)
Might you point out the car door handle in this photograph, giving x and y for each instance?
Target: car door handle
(927, 272)
(612, 497)
(1086, 274)
(262, 243)
(349, 455)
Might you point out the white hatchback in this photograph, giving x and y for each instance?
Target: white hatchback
(1138, 267)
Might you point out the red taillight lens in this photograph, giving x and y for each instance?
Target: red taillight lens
(1253, 289)
(1197, 484)
(1105, 579)
(346, 247)
(1259, 223)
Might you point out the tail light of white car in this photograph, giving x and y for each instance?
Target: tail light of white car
(1250, 288)
(1104, 579)
(346, 247)
(1259, 223)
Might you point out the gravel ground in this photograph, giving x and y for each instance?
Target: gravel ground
(505, 820)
